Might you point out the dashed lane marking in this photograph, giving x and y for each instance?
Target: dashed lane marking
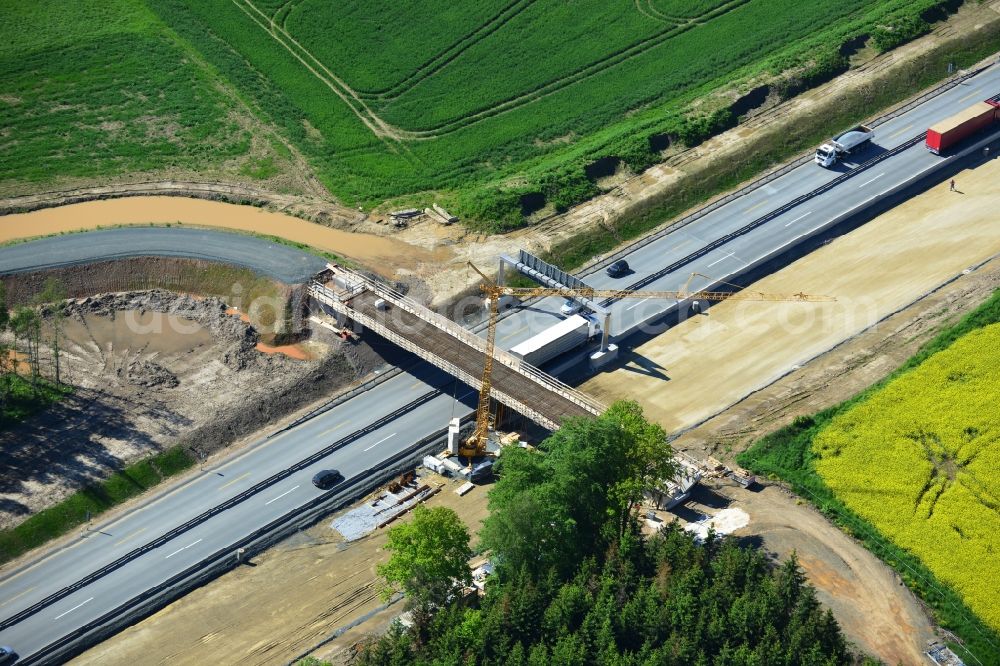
(380, 441)
(798, 218)
(74, 608)
(900, 131)
(721, 259)
(193, 543)
(632, 307)
(343, 423)
(977, 93)
(275, 499)
(867, 182)
(133, 534)
(18, 596)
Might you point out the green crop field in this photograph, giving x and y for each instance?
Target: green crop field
(909, 468)
(503, 98)
(489, 106)
(103, 88)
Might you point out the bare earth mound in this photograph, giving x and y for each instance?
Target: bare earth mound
(154, 369)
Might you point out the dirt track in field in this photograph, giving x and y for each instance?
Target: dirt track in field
(430, 253)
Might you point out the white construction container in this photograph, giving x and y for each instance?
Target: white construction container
(568, 334)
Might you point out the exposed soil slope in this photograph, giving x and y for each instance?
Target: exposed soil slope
(154, 369)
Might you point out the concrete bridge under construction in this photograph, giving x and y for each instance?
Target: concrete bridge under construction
(518, 385)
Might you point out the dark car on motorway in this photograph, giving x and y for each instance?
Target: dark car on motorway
(328, 478)
(618, 269)
(7, 655)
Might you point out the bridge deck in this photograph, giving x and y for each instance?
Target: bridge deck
(506, 381)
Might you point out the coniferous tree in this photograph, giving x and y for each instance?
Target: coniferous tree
(576, 582)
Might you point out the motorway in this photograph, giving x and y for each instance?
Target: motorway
(107, 542)
(743, 253)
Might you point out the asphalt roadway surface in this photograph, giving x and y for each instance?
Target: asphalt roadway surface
(275, 260)
(104, 543)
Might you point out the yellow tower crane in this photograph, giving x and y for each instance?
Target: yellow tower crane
(475, 445)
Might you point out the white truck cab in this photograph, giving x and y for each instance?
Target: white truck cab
(826, 155)
(842, 144)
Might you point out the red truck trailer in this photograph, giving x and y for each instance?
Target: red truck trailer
(964, 124)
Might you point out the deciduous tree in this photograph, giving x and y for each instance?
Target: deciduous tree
(430, 555)
(54, 296)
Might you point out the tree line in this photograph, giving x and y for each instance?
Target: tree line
(576, 582)
(23, 379)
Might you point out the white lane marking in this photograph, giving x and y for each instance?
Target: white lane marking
(74, 608)
(798, 218)
(180, 549)
(900, 131)
(380, 441)
(722, 259)
(631, 307)
(871, 181)
(275, 499)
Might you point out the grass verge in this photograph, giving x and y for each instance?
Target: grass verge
(787, 454)
(92, 501)
(773, 148)
(23, 400)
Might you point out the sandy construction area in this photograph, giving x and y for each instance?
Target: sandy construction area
(293, 597)
(314, 584)
(709, 362)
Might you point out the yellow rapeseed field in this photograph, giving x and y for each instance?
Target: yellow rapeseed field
(920, 459)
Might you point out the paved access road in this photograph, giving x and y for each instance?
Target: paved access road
(208, 489)
(273, 259)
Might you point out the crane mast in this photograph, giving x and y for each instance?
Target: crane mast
(476, 443)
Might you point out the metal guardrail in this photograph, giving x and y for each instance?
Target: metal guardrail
(776, 173)
(767, 217)
(221, 560)
(339, 400)
(105, 619)
(201, 518)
